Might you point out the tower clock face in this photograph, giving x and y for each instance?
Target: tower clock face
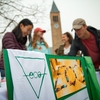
(56, 25)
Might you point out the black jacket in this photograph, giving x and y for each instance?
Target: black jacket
(77, 44)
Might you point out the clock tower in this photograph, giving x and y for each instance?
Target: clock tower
(55, 27)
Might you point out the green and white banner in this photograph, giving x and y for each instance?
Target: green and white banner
(30, 76)
(35, 76)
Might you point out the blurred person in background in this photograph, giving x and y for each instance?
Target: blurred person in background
(67, 41)
(38, 43)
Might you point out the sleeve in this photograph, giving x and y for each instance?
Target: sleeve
(60, 50)
(73, 50)
(99, 39)
(8, 41)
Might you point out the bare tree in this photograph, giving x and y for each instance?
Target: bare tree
(11, 11)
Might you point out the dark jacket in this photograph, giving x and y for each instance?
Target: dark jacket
(77, 44)
(9, 42)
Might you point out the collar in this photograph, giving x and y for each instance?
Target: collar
(38, 42)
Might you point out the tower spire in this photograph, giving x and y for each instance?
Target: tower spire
(54, 8)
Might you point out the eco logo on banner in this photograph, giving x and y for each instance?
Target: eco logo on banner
(40, 74)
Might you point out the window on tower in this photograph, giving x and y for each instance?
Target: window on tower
(55, 18)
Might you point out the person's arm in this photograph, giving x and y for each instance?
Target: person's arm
(60, 50)
(73, 50)
(8, 41)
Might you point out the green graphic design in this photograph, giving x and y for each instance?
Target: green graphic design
(34, 74)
